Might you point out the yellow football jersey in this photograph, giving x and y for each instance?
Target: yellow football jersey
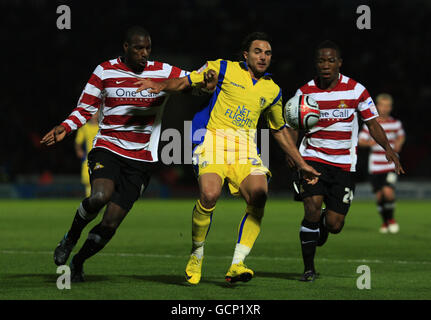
(236, 105)
(228, 124)
(86, 135)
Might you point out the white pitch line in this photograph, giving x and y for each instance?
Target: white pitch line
(170, 256)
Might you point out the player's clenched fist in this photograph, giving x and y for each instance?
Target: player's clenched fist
(210, 81)
(55, 135)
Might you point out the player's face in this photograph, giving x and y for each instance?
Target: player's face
(137, 52)
(328, 64)
(258, 57)
(384, 107)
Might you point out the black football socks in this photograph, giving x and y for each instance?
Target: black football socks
(386, 209)
(309, 234)
(98, 237)
(82, 218)
(380, 204)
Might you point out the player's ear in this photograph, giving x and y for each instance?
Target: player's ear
(245, 55)
(340, 62)
(125, 46)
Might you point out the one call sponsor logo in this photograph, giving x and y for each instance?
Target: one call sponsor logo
(131, 93)
(336, 113)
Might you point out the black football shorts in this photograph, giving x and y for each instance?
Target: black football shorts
(296, 181)
(336, 185)
(379, 180)
(131, 177)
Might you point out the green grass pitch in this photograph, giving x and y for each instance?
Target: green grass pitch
(147, 256)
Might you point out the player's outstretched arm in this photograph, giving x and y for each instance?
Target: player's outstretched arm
(55, 135)
(379, 135)
(209, 84)
(170, 85)
(294, 135)
(289, 147)
(366, 143)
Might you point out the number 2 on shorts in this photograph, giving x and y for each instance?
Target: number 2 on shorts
(348, 197)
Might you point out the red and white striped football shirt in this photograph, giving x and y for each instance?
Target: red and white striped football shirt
(333, 140)
(130, 121)
(377, 162)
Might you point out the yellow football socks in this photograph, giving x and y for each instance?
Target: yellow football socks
(201, 223)
(248, 232)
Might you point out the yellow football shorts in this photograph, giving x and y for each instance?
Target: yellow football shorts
(229, 165)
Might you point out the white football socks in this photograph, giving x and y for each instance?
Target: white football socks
(241, 251)
(198, 249)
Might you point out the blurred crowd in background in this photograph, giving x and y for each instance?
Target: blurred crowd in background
(47, 68)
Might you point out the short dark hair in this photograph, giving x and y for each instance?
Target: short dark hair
(328, 44)
(135, 30)
(246, 43)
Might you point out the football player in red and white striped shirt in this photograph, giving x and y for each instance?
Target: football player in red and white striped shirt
(125, 148)
(383, 176)
(330, 147)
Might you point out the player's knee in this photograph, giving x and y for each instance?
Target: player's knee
(336, 226)
(258, 197)
(209, 198)
(388, 196)
(99, 199)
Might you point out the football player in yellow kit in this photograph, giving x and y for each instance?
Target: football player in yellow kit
(225, 148)
(83, 144)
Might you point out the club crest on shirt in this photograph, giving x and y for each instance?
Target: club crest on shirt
(342, 104)
(98, 165)
(262, 101)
